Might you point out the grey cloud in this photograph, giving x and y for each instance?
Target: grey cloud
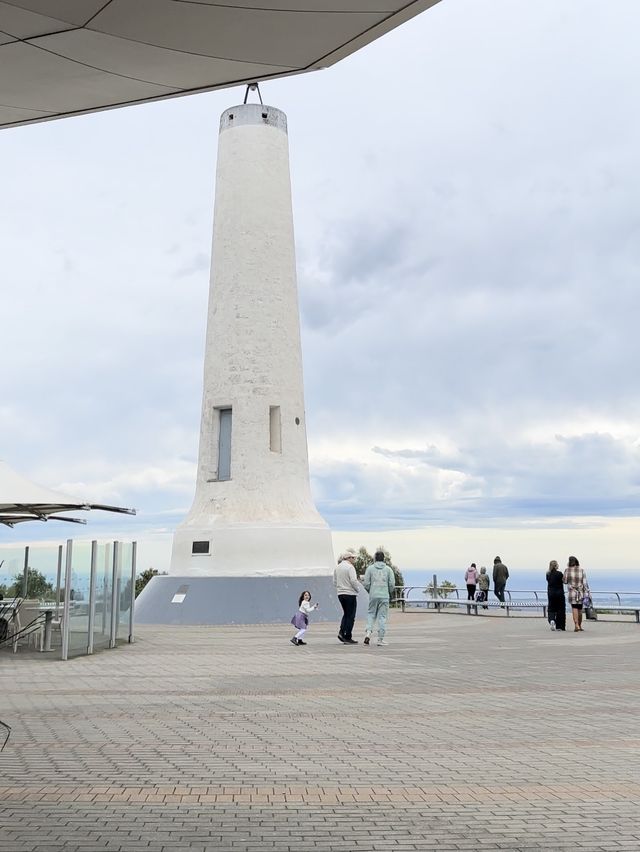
(199, 263)
(593, 474)
(357, 257)
(365, 249)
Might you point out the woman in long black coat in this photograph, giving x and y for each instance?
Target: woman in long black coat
(555, 595)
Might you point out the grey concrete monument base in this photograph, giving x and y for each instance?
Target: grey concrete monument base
(236, 600)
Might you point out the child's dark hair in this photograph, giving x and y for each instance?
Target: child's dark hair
(301, 598)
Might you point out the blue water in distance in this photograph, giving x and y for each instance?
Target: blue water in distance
(600, 583)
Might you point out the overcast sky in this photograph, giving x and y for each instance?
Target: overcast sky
(466, 197)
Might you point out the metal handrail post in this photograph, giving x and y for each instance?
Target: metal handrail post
(114, 595)
(92, 596)
(107, 554)
(66, 604)
(58, 581)
(132, 602)
(25, 573)
(119, 587)
(45, 641)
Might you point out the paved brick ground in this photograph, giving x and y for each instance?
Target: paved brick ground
(464, 734)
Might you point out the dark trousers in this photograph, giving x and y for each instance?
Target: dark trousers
(557, 611)
(498, 591)
(471, 591)
(348, 604)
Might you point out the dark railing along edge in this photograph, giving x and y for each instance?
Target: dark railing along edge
(401, 597)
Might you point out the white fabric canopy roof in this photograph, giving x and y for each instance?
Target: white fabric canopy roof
(22, 500)
(64, 57)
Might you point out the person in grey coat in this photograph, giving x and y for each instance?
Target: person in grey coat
(500, 577)
(483, 586)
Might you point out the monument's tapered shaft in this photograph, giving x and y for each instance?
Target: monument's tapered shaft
(253, 512)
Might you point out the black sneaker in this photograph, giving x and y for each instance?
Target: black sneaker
(300, 642)
(366, 640)
(294, 641)
(341, 638)
(351, 641)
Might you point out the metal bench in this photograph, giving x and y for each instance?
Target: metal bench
(473, 606)
(451, 598)
(619, 608)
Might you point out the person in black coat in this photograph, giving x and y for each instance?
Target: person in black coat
(555, 596)
(500, 577)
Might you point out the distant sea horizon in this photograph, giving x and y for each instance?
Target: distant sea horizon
(531, 580)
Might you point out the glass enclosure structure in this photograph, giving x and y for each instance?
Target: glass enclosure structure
(78, 597)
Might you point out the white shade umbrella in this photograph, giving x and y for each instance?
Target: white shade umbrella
(23, 500)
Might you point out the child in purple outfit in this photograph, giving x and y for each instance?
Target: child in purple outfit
(301, 619)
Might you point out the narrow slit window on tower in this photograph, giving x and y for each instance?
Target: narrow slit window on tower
(275, 429)
(224, 443)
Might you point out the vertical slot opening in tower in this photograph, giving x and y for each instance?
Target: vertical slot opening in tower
(224, 443)
(275, 429)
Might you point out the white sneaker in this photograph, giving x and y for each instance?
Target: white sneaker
(382, 642)
(552, 624)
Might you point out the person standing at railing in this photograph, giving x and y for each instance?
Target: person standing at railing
(555, 597)
(500, 577)
(578, 588)
(483, 586)
(471, 579)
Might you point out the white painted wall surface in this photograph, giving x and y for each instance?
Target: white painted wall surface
(263, 520)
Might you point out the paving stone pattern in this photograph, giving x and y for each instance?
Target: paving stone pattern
(463, 734)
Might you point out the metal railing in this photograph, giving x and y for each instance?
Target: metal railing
(533, 597)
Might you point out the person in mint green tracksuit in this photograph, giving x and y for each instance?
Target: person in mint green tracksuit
(380, 582)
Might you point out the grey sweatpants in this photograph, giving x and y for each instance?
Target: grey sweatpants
(378, 611)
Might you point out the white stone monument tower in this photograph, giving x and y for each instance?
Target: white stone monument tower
(253, 515)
